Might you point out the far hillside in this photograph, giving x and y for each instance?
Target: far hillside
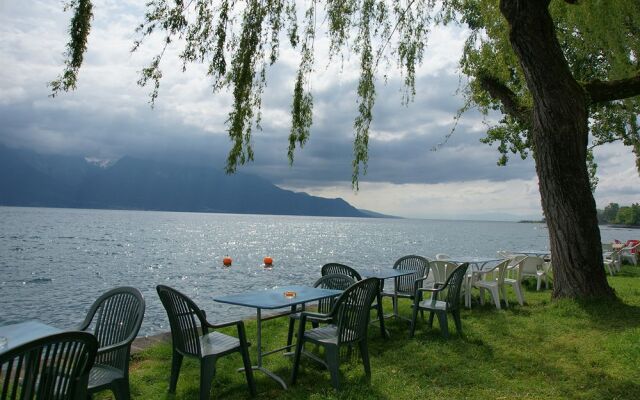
(30, 179)
(614, 214)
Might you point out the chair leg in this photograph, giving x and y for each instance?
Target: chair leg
(458, 321)
(538, 283)
(444, 324)
(248, 371)
(176, 363)
(296, 359)
(430, 322)
(120, 388)
(332, 356)
(414, 317)
(207, 371)
(364, 352)
(394, 300)
(292, 324)
(503, 289)
(496, 297)
(519, 294)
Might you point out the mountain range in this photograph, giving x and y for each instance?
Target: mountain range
(38, 180)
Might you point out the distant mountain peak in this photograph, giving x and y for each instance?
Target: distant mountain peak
(101, 162)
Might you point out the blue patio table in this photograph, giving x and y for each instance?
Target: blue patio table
(15, 335)
(382, 274)
(477, 264)
(270, 300)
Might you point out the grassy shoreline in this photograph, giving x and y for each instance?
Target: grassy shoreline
(545, 349)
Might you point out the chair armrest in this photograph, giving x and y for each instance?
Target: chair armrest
(315, 315)
(434, 289)
(223, 324)
(113, 347)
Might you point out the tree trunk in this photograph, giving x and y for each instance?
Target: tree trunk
(559, 136)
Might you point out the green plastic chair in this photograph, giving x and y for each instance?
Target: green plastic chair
(52, 367)
(450, 304)
(350, 319)
(331, 281)
(404, 286)
(114, 319)
(337, 268)
(207, 347)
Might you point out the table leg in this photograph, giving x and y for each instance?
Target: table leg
(383, 331)
(258, 366)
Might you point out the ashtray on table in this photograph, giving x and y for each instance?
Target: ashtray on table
(289, 294)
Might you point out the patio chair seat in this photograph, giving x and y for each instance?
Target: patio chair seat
(326, 334)
(437, 305)
(216, 343)
(101, 376)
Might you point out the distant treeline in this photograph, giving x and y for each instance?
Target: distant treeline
(616, 215)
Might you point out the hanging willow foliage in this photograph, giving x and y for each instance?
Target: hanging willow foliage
(238, 40)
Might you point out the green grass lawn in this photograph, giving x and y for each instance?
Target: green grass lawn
(542, 350)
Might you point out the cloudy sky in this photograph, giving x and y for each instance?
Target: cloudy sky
(108, 116)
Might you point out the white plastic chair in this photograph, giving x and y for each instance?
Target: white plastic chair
(533, 267)
(441, 270)
(630, 253)
(515, 279)
(493, 281)
(613, 261)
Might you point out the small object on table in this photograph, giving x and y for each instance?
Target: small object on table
(289, 294)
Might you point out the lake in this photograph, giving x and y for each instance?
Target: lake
(55, 262)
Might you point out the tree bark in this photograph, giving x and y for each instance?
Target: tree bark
(559, 136)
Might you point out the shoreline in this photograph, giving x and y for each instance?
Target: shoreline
(143, 342)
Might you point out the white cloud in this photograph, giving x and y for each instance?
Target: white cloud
(506, 200)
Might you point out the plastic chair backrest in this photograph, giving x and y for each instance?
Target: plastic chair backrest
(184, 316)
(420, 267)
(337, 268)
(117, 316)
(441, 270)
(352, 309)
(52, 367)
(332, 281)
(515, 264)
(531, 265)
(454, 285)
(502, 271)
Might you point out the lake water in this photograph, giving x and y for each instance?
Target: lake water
(55, 262)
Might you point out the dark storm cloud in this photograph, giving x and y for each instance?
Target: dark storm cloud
(405, 156)
(109, 116)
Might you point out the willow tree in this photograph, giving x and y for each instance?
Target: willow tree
(556, 71)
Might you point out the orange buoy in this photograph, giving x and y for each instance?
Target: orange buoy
(226, 261)
(268, 261)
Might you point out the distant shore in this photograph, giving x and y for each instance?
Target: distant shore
(622, 226)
